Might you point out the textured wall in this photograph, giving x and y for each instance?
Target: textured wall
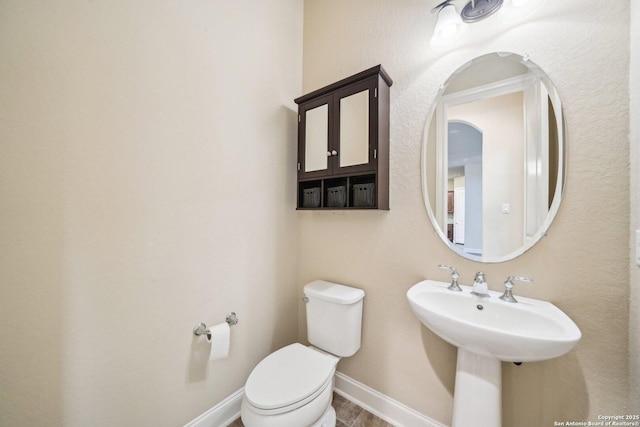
(582, 266)
(147, 183)
(634, 314)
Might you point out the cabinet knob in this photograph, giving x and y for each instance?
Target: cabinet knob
(329, 154)
(334, 152)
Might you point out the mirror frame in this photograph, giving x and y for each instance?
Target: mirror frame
(562, 158)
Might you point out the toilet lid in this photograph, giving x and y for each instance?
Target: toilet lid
(288, 376)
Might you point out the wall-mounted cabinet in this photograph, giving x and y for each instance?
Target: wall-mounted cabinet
(343, 144)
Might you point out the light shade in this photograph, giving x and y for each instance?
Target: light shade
(449, 27)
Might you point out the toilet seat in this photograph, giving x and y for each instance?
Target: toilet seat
(288, 379)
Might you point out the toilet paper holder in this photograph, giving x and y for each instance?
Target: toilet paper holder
(201, 328)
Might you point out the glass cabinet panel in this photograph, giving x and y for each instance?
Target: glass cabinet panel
(316, 139)
(354, 129)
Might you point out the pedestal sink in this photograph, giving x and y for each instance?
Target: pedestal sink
(486, 332)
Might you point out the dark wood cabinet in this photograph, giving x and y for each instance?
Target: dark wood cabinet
(343, 144)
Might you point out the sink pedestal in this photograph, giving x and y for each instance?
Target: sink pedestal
(477, 399)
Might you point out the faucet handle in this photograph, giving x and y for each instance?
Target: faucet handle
(508, 286)
(454, 278)
(509, 282)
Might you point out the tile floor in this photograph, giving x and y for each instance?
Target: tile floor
(348, 413)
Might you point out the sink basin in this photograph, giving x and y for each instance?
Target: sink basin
(487, 331)
(526, 331)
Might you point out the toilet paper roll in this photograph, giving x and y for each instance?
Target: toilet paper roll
(220, 337)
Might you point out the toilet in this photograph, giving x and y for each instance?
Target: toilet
(293, 386)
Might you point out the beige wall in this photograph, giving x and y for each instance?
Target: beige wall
(147, 183)
(582, 266)
(634, 320)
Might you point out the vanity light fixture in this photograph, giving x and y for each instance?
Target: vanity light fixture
(451, 26)
(478, 10)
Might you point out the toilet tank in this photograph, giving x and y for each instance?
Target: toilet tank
(334, 317)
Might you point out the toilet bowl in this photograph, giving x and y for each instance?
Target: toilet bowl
(293, 386)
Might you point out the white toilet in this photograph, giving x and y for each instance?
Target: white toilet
(293, 386)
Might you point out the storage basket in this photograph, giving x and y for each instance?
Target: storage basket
(311, 197)
(336, 196)
(364, 195)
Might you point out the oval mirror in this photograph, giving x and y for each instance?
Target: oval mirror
(493, 157)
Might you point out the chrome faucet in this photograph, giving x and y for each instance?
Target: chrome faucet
(480, 286)
(508, 286)
(454, 278)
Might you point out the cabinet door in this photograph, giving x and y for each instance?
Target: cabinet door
(355, 138)
(314, 138)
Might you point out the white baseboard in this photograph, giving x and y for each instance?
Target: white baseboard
(392, 411)
(380, 405)
(221, 415)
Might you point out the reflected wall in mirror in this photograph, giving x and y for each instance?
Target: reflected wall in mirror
(493, 158)
(317, 139)
(354, 129)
